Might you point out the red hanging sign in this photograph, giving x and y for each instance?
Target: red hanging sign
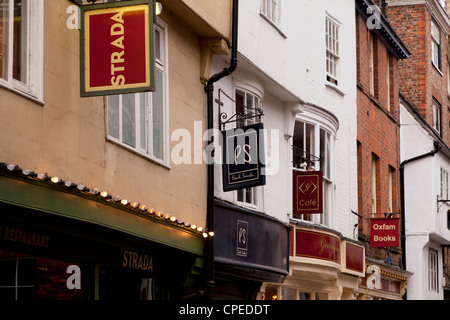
(384, 232)
(307, 192)
(117, 48)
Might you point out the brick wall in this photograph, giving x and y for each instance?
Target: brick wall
(378, 133)
(420, 80)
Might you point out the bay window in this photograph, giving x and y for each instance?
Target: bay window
(312, 150)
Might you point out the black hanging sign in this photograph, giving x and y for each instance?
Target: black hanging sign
(243, 157)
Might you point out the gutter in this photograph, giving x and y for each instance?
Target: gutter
(437, 147)
(209, 89)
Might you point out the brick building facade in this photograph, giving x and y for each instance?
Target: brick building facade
(424, 77)
(379, 51)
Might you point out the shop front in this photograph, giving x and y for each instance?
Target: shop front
(323, 265)
(66, 246)
(249, 248)
(383, 281)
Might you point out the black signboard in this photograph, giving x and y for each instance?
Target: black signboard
(250, 241)
(243, 157)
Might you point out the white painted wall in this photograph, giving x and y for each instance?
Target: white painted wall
(426, 226)
(287, 65)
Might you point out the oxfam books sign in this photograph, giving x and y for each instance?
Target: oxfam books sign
(384, 232)
(117, 51)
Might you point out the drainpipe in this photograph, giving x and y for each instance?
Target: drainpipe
(437, 147)
(209, 89)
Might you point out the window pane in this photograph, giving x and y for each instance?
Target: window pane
(20, 41)
(4, 31)
(158, 116)
(143, 121)
(158, 44)
(113, 116)
(25, 272)
(129, 119)
(8, 273)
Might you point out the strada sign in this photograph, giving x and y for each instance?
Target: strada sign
(117, 52)
(384, 232)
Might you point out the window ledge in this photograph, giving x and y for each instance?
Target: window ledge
(335, 88)
(273, 25)
(22, 94)
(437, 69)
(146, 157)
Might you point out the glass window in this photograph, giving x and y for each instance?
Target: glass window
(21, 42)
(305, 157)
(435, 44)
(444, 184)
(138, 120)
(271, 9)
(374, 183)
(433, 271)
(247, 105)
(436, 116)
(332, 45)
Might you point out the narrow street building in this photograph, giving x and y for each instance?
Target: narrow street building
(379, 50)
(94, 203)
(424, 133)
(296, 74)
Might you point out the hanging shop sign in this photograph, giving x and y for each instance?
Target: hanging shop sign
(307, 192)
(116, 48)
(243, 157)
(384, 232)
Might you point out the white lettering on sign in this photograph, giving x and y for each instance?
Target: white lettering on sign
(384, 238)
(117, 59)
(137, 261)
(384, 226)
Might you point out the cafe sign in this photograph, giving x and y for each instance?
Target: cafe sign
(384, 232)
(116, 48)
(243, 157)
(307, 192)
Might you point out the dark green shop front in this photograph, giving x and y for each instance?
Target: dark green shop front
(62, 246)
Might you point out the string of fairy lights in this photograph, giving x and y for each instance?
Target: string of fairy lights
(104, 195)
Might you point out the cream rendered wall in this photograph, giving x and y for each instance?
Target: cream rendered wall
(66, 136)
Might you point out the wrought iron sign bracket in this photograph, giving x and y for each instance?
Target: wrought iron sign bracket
(223, 116)
(304, 157)
(440, 203)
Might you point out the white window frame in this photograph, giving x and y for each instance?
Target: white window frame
(313, 146)
(332, 51)
(32, 84)
(147, 151)
(271, 9)
(433, 270)
(444, 184)
(435, 45)
(249, 197)
(437, 124)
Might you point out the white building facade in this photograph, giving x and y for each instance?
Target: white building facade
(425, 163)
(297, 65)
